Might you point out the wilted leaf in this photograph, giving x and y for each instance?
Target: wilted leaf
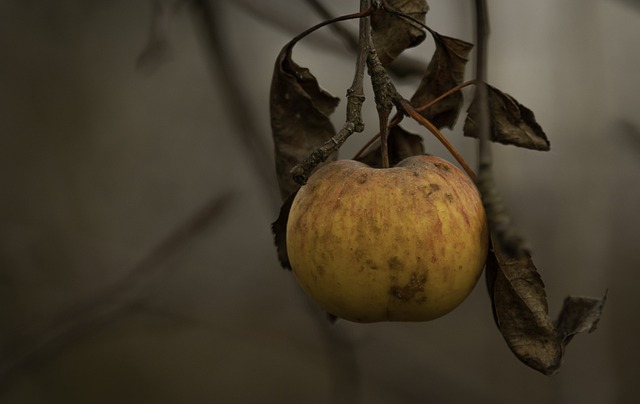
(511, 122)
(579, 314)
(521, 312)
(445, 71)
(300, 112)
(279, 230)
(393, 34)
(401, 144)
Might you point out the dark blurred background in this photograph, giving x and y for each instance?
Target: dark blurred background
(137, 192)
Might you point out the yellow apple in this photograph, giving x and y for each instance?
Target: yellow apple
(406, 243)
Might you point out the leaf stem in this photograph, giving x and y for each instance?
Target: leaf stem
(323, 12)
(388, 8)
(360, 14)
(398, 117)
(406, 106)
(445, 95)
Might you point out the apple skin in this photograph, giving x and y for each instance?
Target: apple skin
(406, 243)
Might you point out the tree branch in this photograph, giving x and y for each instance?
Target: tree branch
(497, 216)
(113, 301)
(355, 99)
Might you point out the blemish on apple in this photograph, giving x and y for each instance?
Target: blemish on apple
(376, 245)
(413, 290)
(395, 264)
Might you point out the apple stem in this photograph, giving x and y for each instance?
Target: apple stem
(395, 121)
(398, 117)
(384, 137)
(406, 106)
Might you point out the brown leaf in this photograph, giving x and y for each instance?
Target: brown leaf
(279, 230)
(521, 312)
(511, 122)
(579, 314)
(393, 34)
(401, 144)
(445, 71)
(300, 112)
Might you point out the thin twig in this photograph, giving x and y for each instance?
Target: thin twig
(482, 31)
(355, 97)
(355, 93)
(497, 216)
(105, 307)
(385, 96)
(400, 68)
(398, 117)
(207, 14)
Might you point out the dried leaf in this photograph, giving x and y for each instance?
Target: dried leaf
(521, 312)
(511, 122)
(393, 34)
(300, 112)
(279, 230)
(401, 144)
(445, 71)
(579, 314)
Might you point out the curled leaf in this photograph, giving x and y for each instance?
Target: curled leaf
(521, 312)
(300, 112)
(401, 144)
(445, 71)
(579, 314)
(511, 122)
(393, 34)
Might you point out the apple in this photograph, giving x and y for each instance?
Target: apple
(406, 243)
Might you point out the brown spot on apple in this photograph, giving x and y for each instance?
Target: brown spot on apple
(442, 166)
(371, 264)
(359, 254)
(413, 290)
(395, 264)
(448, 197)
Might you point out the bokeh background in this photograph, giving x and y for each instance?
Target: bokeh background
(137, 192)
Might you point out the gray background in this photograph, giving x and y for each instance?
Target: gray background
(101, 161)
